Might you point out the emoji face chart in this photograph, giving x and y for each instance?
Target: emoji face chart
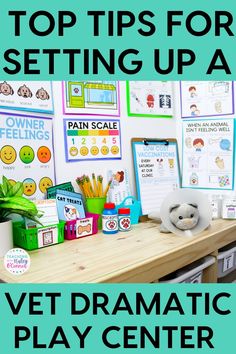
(26, 153)
(32, 96)
(150, 99)
(206, 98)
(87, 139)
(91, 98)
(208, 152)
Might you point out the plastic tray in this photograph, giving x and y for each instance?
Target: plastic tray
(135, 208)
(226, 260)
(192, 273)
(39, 237)
(88, 226)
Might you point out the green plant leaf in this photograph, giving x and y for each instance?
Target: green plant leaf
(5, 186)
(23, 214)
(17, 190)
(1, 192)
(20, 203)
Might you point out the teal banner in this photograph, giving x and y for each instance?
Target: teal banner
(123, 40)
(121, 318)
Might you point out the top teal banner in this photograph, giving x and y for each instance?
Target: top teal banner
(119, 39)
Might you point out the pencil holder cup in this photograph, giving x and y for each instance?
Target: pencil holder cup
(96, 206)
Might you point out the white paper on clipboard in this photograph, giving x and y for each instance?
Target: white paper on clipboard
(157, 172)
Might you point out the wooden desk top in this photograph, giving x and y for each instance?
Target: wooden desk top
(141, 255)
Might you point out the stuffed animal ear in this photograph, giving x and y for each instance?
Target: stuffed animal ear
(194, 205)
(173, 206)
(19, 91)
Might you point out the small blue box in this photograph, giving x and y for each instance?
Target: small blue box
(69, 205)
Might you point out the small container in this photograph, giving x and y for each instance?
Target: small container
(109, 219)
(229, 207)
(124, 219)
(216, 205)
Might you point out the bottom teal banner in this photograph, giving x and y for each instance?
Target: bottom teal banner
(118, 318)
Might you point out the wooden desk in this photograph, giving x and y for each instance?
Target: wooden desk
(141, 255)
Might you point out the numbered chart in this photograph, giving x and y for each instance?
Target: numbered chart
(92, 139)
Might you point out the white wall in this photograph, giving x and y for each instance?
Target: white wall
(130, 127)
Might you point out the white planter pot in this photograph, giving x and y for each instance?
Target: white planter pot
(6, 237)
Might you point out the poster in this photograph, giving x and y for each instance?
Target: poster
(206, 98)
(120, 186)
(26, 153)
(150, 99)
(157, 173)
(208, 154)
(91, 98)
(92, 139)
(32, 96)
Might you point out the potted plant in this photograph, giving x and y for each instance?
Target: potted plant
(12, 202)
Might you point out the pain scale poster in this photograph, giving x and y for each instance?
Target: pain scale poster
(26, 96)
(92, 139)
(150, 99)
(208, 154)
(26, 153)
(206, 98)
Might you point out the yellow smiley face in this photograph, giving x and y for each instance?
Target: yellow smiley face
(94, 150)
(12, 182)
(29, 187)
(74, 151)
(84, 151)
(8, 154)
(115, 150)
(104, 150)
(44, 184)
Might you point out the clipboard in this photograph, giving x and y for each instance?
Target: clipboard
(157, 171)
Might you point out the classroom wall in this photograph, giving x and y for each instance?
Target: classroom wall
(130, 127)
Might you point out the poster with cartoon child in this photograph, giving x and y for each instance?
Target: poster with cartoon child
(206, 98)
(120, 187)
(208, 151)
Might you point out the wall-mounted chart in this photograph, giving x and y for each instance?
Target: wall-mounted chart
(206, 98)
(91, 97)
(26, 153)
(32, 96)
(208, 154)
(87, 139)
(150, 99)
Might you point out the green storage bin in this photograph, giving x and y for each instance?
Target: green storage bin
(28, 239)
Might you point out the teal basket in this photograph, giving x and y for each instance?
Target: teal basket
(135, 208)
(28, 239)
